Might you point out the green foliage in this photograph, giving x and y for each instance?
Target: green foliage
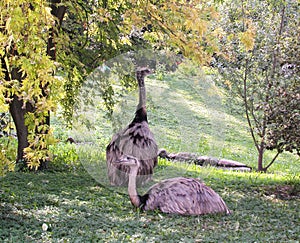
(284, 119)
(160, 72)
(184, 26)
(8, 147)
(257, 43)
(64, 157)
(6, 125)
(29, 71)
(188, 68)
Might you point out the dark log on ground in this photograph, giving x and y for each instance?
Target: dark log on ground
(236, 168)
(204, 160)
(230, 163)
(182, 156)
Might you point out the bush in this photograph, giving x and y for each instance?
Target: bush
(8, 151)
(64, 157)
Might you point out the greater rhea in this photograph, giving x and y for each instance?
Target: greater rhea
(136, 140)
(184, 196)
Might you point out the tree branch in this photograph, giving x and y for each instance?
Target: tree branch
(273, 160)
(166, 28)
(276, 50)
(246, 104)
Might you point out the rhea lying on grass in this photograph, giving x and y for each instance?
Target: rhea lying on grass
(185, 196)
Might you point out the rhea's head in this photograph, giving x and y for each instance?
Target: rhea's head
(162, 153)
(128, 160)
(142, 72)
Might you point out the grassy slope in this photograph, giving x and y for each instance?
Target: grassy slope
(80, 207)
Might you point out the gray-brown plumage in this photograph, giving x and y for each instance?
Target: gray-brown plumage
(136, 140)
(185, 196)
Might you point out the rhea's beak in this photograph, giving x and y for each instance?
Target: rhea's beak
(122, 159)
(118, 161)
(151, 74)
(152, 71)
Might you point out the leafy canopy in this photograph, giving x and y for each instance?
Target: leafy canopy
(91, 32)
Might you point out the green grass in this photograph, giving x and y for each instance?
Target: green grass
(75, 204)
(76, 208)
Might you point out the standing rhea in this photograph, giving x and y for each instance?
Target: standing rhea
(185, 196)
(136, 140)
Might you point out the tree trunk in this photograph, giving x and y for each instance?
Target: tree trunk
(18, 111)
(261, 150)
(260, 159)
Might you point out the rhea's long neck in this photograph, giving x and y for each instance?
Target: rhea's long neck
(141, 113)
(142, 95)
(133, 195)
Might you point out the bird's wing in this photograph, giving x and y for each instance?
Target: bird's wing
(137, 140)
(184, 196)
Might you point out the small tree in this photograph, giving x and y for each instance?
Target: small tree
(262, 68)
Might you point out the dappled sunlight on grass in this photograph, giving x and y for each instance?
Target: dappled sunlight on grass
(75, 207)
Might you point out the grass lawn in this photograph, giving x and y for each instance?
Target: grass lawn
(76, 208)
(185, 114)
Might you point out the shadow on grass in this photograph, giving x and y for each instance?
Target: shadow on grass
(74, 207)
